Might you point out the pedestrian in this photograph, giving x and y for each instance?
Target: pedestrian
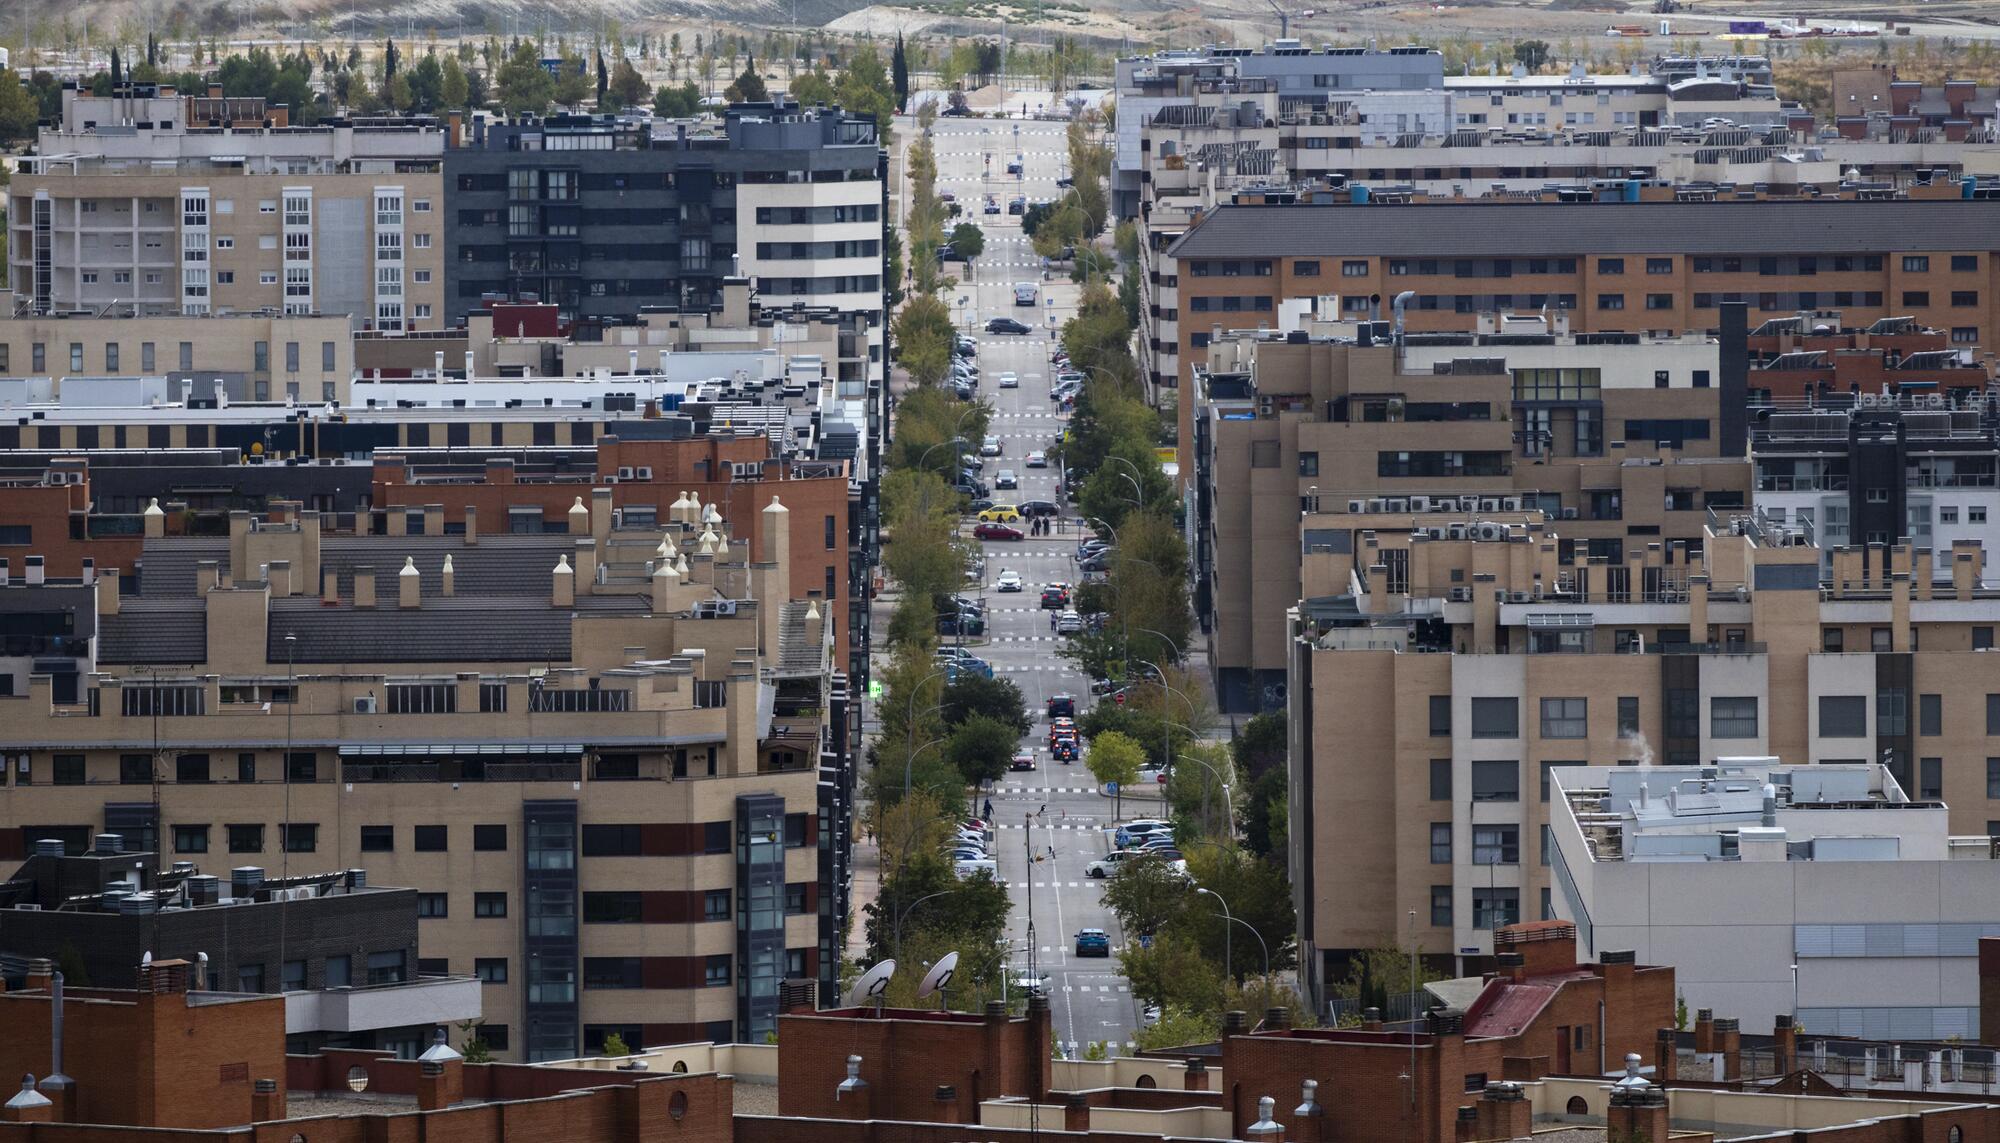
(989, 809)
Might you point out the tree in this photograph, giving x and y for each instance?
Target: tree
(525, 86)
(628, 88)
(1177, 1028)
(1116, 758)
(1265, 814)
(1260, 900)
(973, 695)
(812, 87)
(615, 1045)
(864, 89)
(677, 102)
(1373, 975)
(389, 59)
(1532, 54)
(981, 748)
(572, 82)
(1261, 744)
(1173, 973)
(454, 89)
(396, 92)
(117, 70)
(18, 109)
(968, 240)
(899, 71)
(603, 79)
(427, 84)
(748, 87)
(1146, 895)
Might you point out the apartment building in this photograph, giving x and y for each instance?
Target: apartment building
(1673, 91)
(1610, 264)
(102, 912)
(1310, 441)
(616, 773)
(1428, 722)
(157, 216)
(605, 217)
(1866, 96)
(258, 356)
(1813, 358)
(1823, 893)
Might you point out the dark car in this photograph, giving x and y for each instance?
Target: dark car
(1033, 508)
(1013, 166)
(1065, 182)
(1093, 942)
(1006, 325)
(1063, 750)
(970, 624)
(1096, 562)
(980, 505)
(1055, 597)
(997, 532)
(1062, 706)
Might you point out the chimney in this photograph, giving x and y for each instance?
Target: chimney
(471, 525)
(1729, 1042)
(409, 584)
(944, 1104)
(1266, 1129)
(450, 577)
(1235, 1023)
(278, 574)
(28, 1105)
(579, 519)
(1704, 1030)
(59, 1088)
(433, 519)
(563, 593)
(364, 586)
(442, 1081)
(1076, 1112)
(586, 564)
(107, 592)
(1666, 1055)
(329, 585)
(1371, 1019)
(267, 1102)
(666, 580)
(1638, 1111)
(600, 516)
(206, 575)
(1277, 1019)
(1309, 1118)
(1196, 1076)
(1784, 1044)
(156, 520)
(1503, 1113)
(853, 1093)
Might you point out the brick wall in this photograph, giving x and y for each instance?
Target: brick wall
(905, 1058)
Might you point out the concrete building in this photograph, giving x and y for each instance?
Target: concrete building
(128, 207)
(343, 952)
(1605, 262)
(620, 784)
(604, 217)
(258, 356)
(1828, 894)
(1673, 91)
(1309, 442)
(1864, 97)
(1427, 721)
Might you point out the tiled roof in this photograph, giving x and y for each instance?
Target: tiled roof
(501, 565)
(154, 631)
(169, 563)
(444, 631)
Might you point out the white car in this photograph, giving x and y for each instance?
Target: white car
(1069, 623)
(990, 447)
(1010, 381)
(1109, 864)
(1009, 581)
(1038, 459)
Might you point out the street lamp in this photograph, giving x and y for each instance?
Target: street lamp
(1228, 806)
(910, 726)
(1168, 640)
(896, 938)
(1228, 943)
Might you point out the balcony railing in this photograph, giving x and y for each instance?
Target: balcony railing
(461, 770)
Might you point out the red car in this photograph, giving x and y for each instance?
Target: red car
(997, 532)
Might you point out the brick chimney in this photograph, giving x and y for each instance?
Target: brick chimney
(442, 1081)
(1504, 1114)
(107, 592)
(1371, 1019)
(409, 584)
(1637, 1113)
(472, 525)
(1729, 1042)
(1704, 1030)
(1785, 1044)
(563, 591)
(1196, 1076)
(267, 1101)
(944, 1104)
(1076, 1112)
(364, 586)
(1666, 1056)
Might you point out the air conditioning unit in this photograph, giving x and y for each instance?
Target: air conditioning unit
(1492, 532)
(644, 472)
(1437, 533)
(1569, 514)
(1517, 597)
(365, 705)
(1461, 595)
(1489, 504)
(1510, 503)
(1420, 503)
(1357, 507)
(1398, 504)
(1458, 531)
(624, 472)
(1378, 505)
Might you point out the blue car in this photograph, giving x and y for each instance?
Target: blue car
(974, 665)
(1093, 942)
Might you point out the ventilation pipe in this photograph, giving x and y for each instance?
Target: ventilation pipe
(853, 1085)
(1402, 301)
(1770, 804)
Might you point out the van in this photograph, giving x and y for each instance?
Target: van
(1024, 294)
(971, 868)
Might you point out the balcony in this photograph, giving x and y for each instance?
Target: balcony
(428, 1000)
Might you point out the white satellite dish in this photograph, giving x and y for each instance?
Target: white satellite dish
(939, 977)
(871, 984)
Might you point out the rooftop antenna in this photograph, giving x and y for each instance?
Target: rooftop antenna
(939, 978)
(871, 985)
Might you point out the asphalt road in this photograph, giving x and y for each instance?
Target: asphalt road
(1052, 821)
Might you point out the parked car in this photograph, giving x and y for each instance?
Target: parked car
(1008, 581)
(1017, 205)
(976, 866)
(1109, 864)
(997, 532)
(991, 446)
(1095, 562)
(1005, 325)
(1022, 760)
(1062, 706)
(1132, 832)
(1066, 182)
(1093, 942)
(1000, 513)
(992, 205)
(1026, 294)
(1037, 458)
(1006, 478)
(965, 347)
(967, 623)
(1055, 597)
(1014, 166)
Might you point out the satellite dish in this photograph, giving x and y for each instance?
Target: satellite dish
(871, 984)
(939, 977)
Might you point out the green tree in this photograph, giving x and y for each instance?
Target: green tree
(1373, 975)
(968, 239)
(615, 1045)
(899, 74)
(1178, 1028)
(472, 1045)
(1173, 973)
(748, 87)
(1116, 758)
(812, 87)
(627, 88)
(389, 60)
(572, 81)
(396, 92)
(1264, 814)
(525, 86)
(1146, 895)
(18, 109)
(981, 748)
(454, 90)
(1532, 54)
(864, 89)
(973, 695)
(1260, 899)
(679, 102)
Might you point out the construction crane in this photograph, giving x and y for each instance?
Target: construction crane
(1284, 19)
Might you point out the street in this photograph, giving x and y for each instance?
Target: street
(1051, 822)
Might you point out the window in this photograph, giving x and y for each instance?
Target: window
(1565, 718)
(1982, 638)
(378, 839)
(246, 839)
(1493, 909)
(1916, 264)
(611, 908)
(1548, 765)
(1496, 845)
(492, 698)
(135, 769)
(1441, 906)
(339, 972)
(1496, 781)
(1309, 464)
(489, 838)
(715, 905)
(421, 241)
(1307, 267)
(190, 839)
(617, 841)
(1892, 712)
(1440, 843)
(1495, 718)
(388, 967)
(433, 905)
(1354, 269)
(1992, 715)
(795, 898)
(1975, 514)
(1611, 301)
(301, 837)
(489, 904)
(430, 839)
(1930, 715)
(250, 978)
(613, 972)
(795, 831)
(1832, 640)
(1930, 779)
(715, 837)
(191, 768)
(1628, 716)
(326, 356)
(1846, 716)
(1440, 716)
(1611, 265)
(423, 698)
(716, 971)
(1732, 717)
(302, 766)
(69, 770)
(1440, 779)
(490, 970)
(1916, 297)
(1659, 265)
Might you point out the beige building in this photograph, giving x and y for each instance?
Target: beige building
(1439, 674)
(258, 356)
(1615, 438)
(610, 759)
(124, 209)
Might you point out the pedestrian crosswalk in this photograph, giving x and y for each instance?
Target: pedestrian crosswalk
(1027, 639)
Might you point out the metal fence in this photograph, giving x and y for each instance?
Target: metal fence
(1400, 1007)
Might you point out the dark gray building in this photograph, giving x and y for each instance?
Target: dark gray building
(343, 952)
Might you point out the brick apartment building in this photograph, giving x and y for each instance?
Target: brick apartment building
(1815, 358)
(1427, 715)
(1621, 438)
(1614, 266)
(647, 769)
